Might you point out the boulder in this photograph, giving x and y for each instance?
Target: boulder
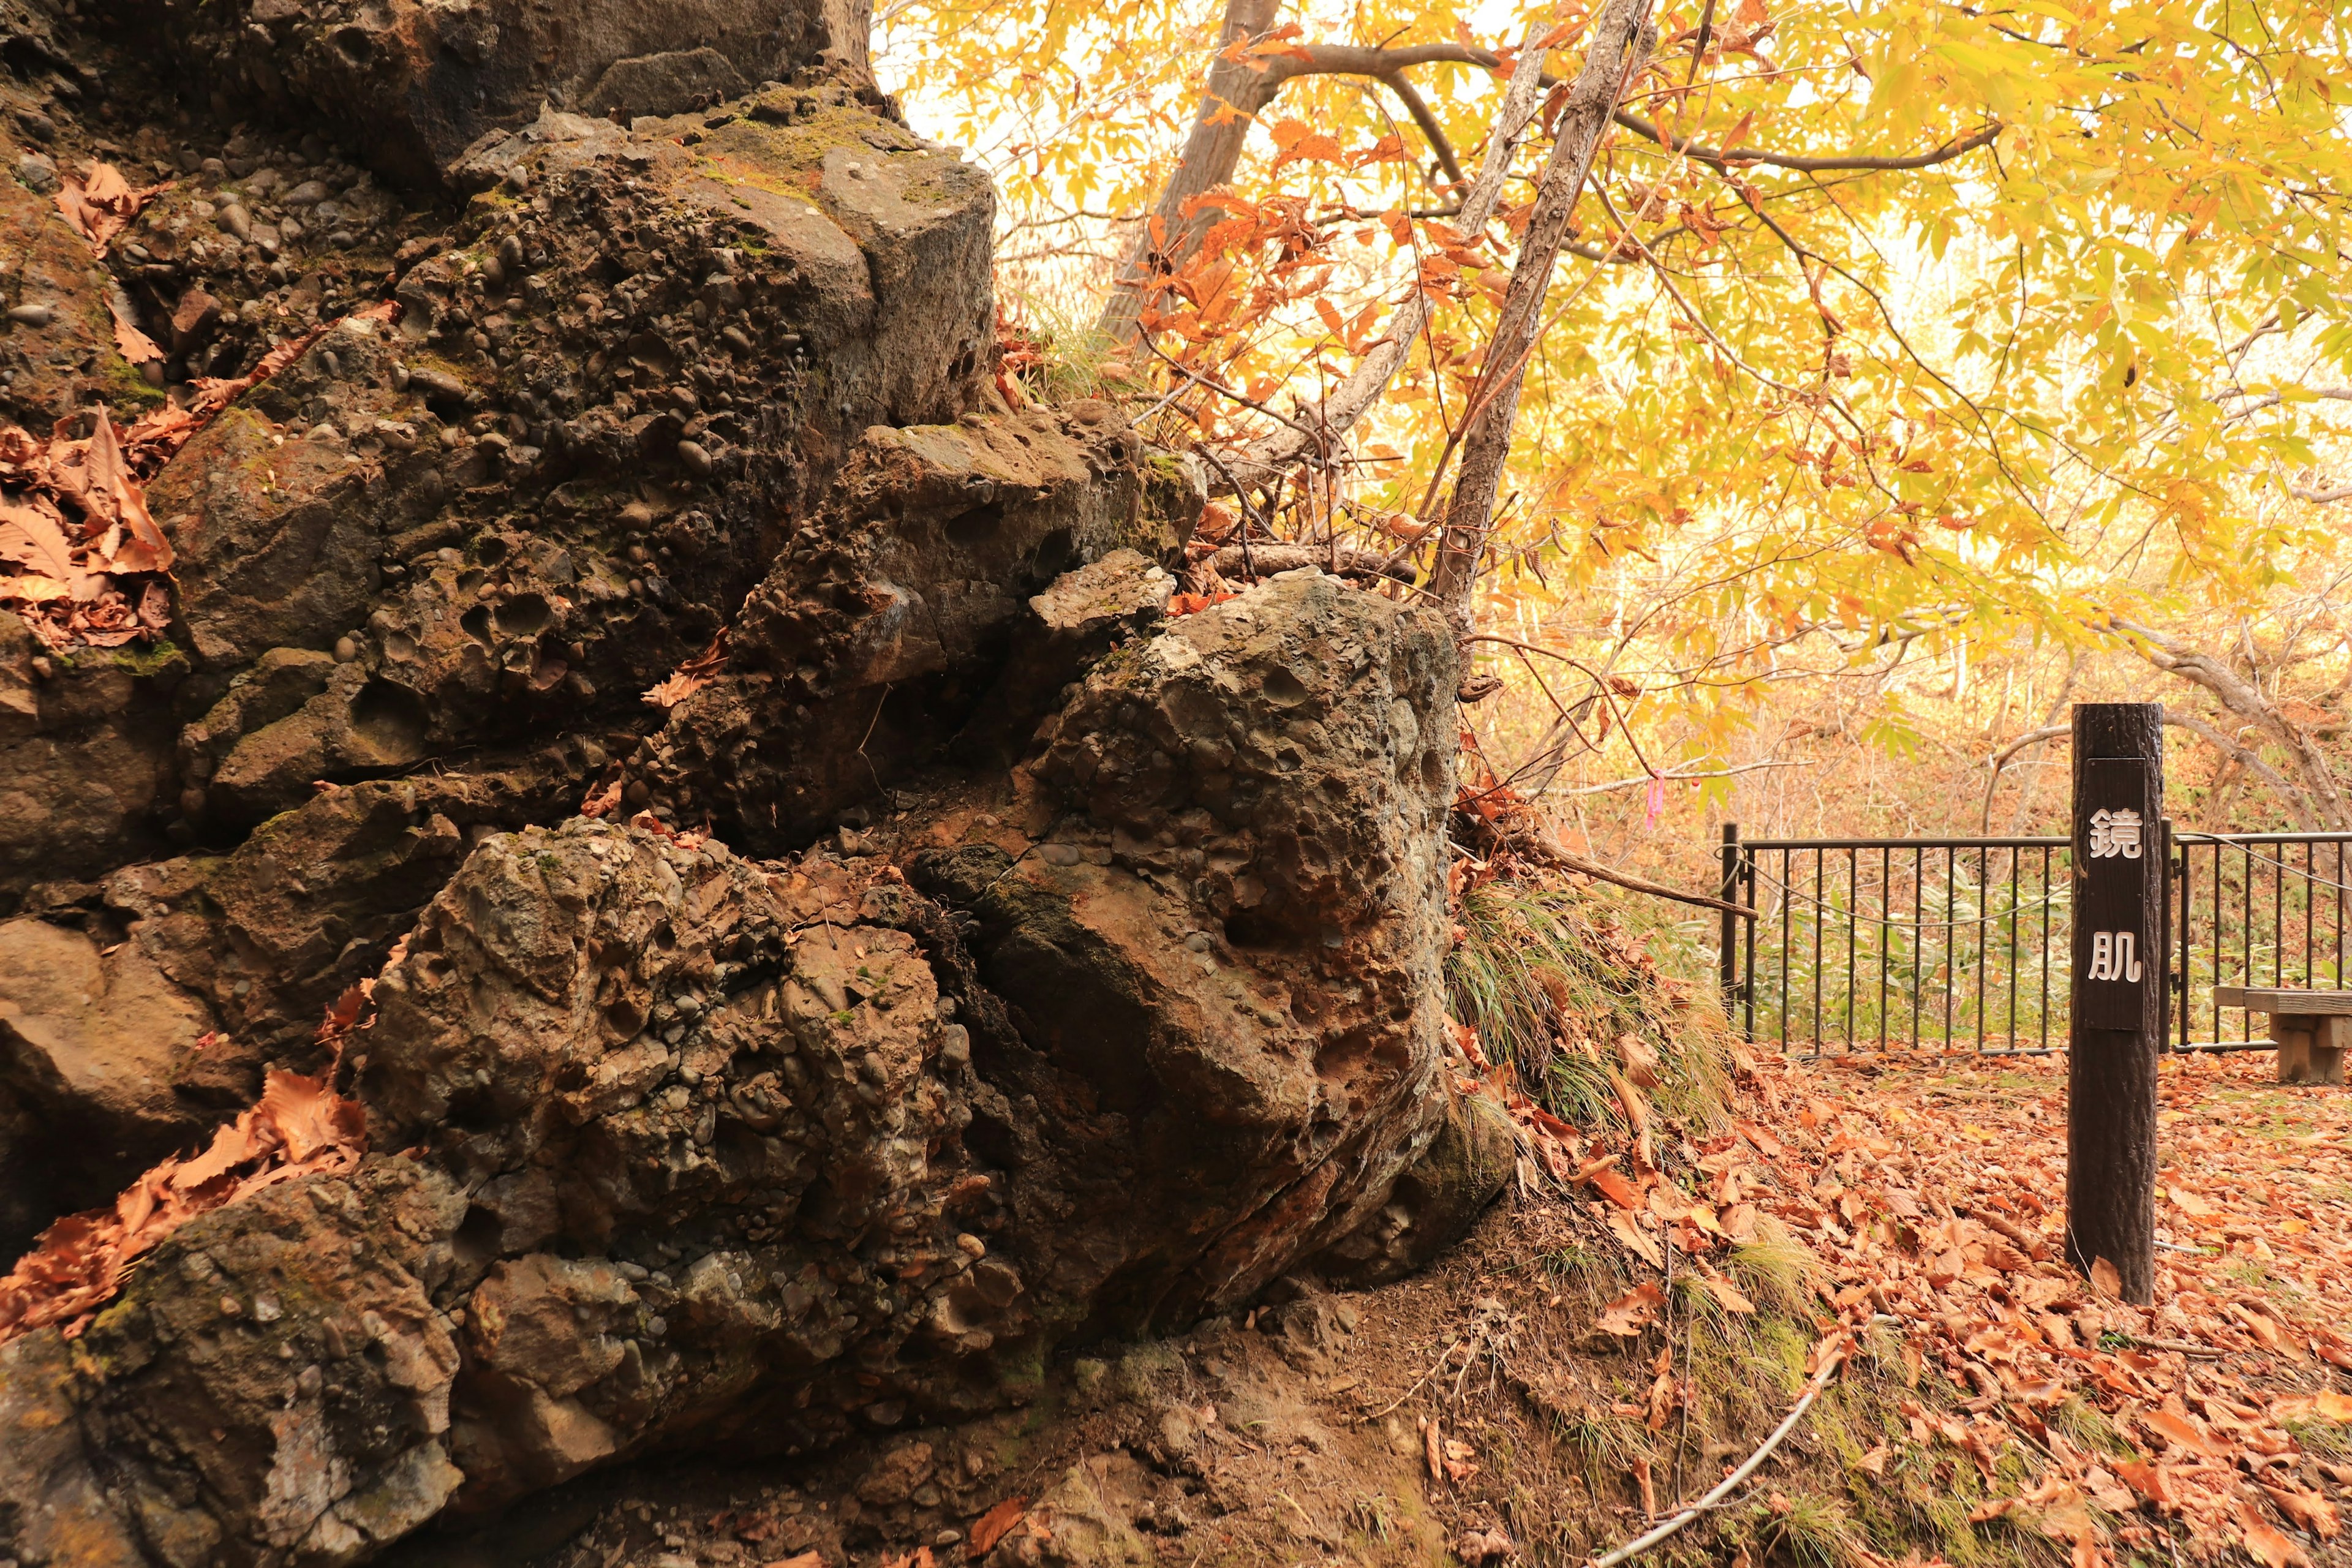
(85, 757)
(103, 1070)
(886, 625)
(416, 83)
(274, 1387)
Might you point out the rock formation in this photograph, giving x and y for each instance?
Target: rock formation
(958, 955)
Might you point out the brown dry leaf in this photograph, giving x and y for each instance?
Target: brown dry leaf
(918, 1558)
(33, 536)
(1615, 1188)
(1641, 1061)
(114, 494)
(1727, 1295)
(1631, 1313)
(2180, 1430)
(2273, 1547)
(799, 1560)
(79, 1262)
(602, 798)
(129, 341)
(2308, 1510)
(692, 675)
(1460, 1460)
(101, 204)
(989, 1527)
(2107, 1280)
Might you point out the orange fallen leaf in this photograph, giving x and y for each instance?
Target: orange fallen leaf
(2180, 1431)
(131, 342)
(2106, 1280)
(989, 1527)
(1631, 1313)
(2273, 1547)
(2308, 1510)
(692, 675)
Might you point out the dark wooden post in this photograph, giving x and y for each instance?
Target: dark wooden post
(2116, 1027)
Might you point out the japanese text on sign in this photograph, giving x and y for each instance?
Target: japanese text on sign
(2114, 955)
(2115, 832)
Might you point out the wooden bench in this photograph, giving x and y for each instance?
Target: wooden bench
(2311, 1029)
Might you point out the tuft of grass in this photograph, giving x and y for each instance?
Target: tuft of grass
(1814, 1529)
(1775, 1270)
(1075, 360)
(1553, 978)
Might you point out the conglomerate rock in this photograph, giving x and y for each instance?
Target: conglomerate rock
(1087, 976)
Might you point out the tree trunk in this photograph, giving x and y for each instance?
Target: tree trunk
(1211, 153)
(1621, 40)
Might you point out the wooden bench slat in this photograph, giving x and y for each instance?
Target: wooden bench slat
(2262, 999)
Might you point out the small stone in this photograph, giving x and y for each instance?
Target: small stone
(517, 178)
(36, 172)
(232, 220)
(309, 194)
(736, 337)
(696, 459)
(32, 315)
(346, 650)
(1059, 854)
(1199, 942)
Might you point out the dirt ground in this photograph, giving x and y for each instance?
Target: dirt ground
(1542, 1394)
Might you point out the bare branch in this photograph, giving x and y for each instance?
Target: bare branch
(1621, 40)
(1262, 461)
(1822, 164)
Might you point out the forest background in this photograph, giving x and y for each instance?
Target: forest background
(1913, 368)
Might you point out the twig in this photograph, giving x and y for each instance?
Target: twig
(1635, 1547)
(1545, 847)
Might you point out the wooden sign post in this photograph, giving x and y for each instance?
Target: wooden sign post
(2117, 986)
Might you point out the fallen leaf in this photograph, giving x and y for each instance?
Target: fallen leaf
(2271, 1547)
(1631, 1313)
(32, 534)
(2180, 1431)
(2308, 1510)
(989, 1527)
(799, 1560)
(129, 341)
(2107, 1280)
(692, 675)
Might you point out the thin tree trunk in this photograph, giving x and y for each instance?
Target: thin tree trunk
(1211, 151)
(1263, 460)
(1622, 41)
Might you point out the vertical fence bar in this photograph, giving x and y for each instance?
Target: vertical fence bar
(1951, 914)
(1919, 936)
(1748, 874)
(1818, 910)
(1853, 933)
(2012, 947)
(2046, 909)
(2188, 979)
(1728, 959)
(1787, 901)
(1887, 929)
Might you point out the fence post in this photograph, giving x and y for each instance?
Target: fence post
(2116, 1022)
(1727, 962)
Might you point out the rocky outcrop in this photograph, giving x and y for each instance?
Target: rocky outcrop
(418, 83)
(836, 931)
(884, 625)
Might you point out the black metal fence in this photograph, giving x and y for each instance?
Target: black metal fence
(1964, 943)
(2253, 909)
(1872, 943)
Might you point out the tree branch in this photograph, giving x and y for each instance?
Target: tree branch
(1263, 460)
(1826, 164)
(1621, 40)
